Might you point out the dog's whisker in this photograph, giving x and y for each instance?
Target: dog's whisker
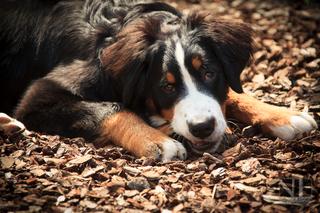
(225, 141)
(162, 128)
(233, 123)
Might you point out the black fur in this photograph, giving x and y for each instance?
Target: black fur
(105, 56)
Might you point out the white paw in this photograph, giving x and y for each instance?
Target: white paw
(10, 125)
(172, 148)
(298, 123)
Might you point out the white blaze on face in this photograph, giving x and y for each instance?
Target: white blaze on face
(195, 107)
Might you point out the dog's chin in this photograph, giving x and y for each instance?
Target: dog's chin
(201, 147)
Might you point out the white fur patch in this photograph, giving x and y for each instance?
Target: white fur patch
(196, 106)
(173, 148)
(157, 121)
(179, 54)
(299, 123)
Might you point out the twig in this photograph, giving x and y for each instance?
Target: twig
(212, 157)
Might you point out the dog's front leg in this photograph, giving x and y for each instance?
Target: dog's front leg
(276, 121)
(126, 129)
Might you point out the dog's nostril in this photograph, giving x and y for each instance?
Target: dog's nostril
(203, 129)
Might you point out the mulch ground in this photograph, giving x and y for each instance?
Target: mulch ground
(254, 173)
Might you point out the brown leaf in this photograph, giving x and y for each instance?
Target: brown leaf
(206, 191)
(7, 162)
(231, 194)
(151, 175)
(73, 193)
(38, 172)
(80, 160)
(249, 165)
(138, 183)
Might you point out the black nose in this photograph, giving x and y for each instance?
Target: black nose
(202, 129)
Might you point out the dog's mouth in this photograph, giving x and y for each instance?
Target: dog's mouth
(198, 147)
(202, 146)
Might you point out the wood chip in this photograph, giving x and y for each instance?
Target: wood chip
(80, 160)
(38, 172)
(7, 162)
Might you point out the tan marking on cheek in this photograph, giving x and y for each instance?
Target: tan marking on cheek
(168, 114)
(196, 62)
(164, 128)
(151, 106)
(170, 78)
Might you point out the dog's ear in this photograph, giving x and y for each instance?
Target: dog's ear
(127, 59)
(232, 42)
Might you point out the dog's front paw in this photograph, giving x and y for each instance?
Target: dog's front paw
(172, 149)
(294, 126)
(164, 150)
(10, 125)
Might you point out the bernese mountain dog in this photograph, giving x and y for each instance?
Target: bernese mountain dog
(132, 73)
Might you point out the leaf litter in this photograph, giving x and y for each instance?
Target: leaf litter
(254, 173)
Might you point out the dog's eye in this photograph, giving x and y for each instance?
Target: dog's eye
(208, 75)
(169, 87)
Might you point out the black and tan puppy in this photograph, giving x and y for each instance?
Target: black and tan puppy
(130, 73)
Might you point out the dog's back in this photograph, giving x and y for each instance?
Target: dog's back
(36, 36)
(28, 35)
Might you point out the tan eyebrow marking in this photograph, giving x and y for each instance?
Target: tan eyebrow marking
(170, 78)
(196, 62)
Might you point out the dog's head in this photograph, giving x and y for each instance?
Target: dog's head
(181, 70)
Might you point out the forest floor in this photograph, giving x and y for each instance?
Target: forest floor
(44, 173)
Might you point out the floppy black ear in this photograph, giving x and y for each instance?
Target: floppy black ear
(127, 59)
(232, 42)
